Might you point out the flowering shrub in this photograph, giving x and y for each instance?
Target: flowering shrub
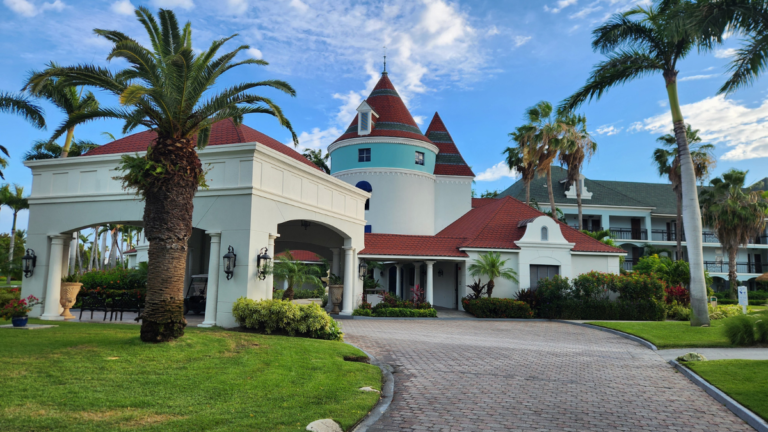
(677, 294)
(396, 312)
(391, 301)
(529, 297)
(635, 287)
(19, 307)
(497, 308)
(8, 294)
(593, 285)
(553, 290)
(281, 316)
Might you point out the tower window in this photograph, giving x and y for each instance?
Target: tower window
(368, 204)
(544, 234)
(419, 158)
(364, 155)
(364, 121)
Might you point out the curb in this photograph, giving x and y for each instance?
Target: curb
(453, 319)
(745, 414)
(387, 392)
(616, 332)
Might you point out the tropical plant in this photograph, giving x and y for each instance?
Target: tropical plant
(19, 308)
(23, 106)
(491, 266)
(490, 194)
(603, 236)
(317, 158)
(166, 89)
(16, 201)
(521, 158)
(296, 273)
(736, 215)
(478, 289)
(668, 164)
(51, 150)
(638, 43)
(576, 147)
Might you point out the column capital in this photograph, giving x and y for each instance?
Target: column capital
(58, 238)
(214, 235)
(398, 265)
(348, 248)
(273, 236)
(430, 263)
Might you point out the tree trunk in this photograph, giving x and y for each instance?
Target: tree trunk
(679, 223)
(10, 249)
(113, 249)
(732, 275)
(93, 247)
(578, 201)
(167, 228)
(551, 194)
(288, 294)
(489, 288)
(78, 260)
(67, 142)
(691, 211)
(527, 192)
(103, 254)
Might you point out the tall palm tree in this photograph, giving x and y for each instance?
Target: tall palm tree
(166, 89)
(736, 215)
(50, 150)
(67, 98)
(638, 43)
(16, 201)
(23, 106)
(576, 147)
(296, 273)
(491, 266)
(317, 158)
(521, 158)
(603, 236)
(668, 164)
(545, 128)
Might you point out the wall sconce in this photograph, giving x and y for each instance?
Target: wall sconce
(363, 269)
(306, 224)
(28, 263)
(230, 260)
(440, 273)
(263, 262)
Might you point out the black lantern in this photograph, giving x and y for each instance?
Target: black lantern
(28, 263)
(306, 224)
(440, 273)
(230, 260)
(263, 262)
(363, 269)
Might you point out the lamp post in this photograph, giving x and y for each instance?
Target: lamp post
(28, 263)
(363, 270)
(230, 260)
(263, 262)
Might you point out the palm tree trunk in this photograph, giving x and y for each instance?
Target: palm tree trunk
(102, 255)
(732, 276)
(113, 249)
(691, 211)
(10, 248)
(578, 201)
(93, 248)
(527, 192)
(679, 223)
(551, 194)
(78, 261)
(67, 142)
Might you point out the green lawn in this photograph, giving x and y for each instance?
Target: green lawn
(744, 380)
(93, 377)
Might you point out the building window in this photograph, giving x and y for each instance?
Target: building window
(419, 158)
(364, 155)
(544, 234)
(539, 272)
(364, 121)
(368, 204)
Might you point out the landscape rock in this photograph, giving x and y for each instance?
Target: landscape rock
(324, 425)
(692, 356)
(369, 389)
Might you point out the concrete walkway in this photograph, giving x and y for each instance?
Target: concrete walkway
(477, 375)
(128, 318)
(717, 353)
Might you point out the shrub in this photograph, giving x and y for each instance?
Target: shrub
(527, 296)
(308, 293)
(8, 294)
(553, 290)
(757, 302)
(740, 330)
(761, 330)
(726, 301)
(497, 308)
(277, 294)
(593, 285)
(638, 287)
(643, 310)
(396, 312)
(724, 311)
(676, 311)
(117, 279)
(677, 294)
(276, 315)
(758, 295)
(671, 272)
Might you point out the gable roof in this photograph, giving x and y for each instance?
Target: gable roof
(302, 255)
(449, 160)
(412, 245)
(479, 202)
(222, 133)
(394, 118)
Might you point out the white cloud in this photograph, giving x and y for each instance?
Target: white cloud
(316, 138)
(722, 121)
(608, 130)
(299, 5)
(123, 7)
(560, 5)
(521, 40)
(419, 119)
(725, 53)
(697, 77)
(29, 9)
(492, 31)
(237, 6)
(348, 109)
(635, 127)
(585, 11)
(172, 4)
(255, 53)
(663, 103)
(496, 172)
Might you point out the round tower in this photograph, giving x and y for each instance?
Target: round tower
(384, 152)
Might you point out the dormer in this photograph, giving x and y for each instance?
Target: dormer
(571, 191)
(366, 118)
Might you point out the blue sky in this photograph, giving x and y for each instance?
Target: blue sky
(479, 63)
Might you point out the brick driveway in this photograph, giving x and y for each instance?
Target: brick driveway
(543, 376)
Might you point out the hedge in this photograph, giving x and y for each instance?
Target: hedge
(281, 316)
(8, 294)
(640, 310)
(497, 308)
(396, 313)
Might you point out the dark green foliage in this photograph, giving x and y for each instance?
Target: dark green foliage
(396, 313)
(761, 330)
(553, 290)
(117, 279)
(497, 308)
(645, 310)
(740, 330)
(318, 292)
(527, 296)
(8, 294)
(592, 286)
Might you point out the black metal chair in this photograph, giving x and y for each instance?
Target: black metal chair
(92, 302)
(124, 303)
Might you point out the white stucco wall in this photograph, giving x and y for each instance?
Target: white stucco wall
(453, 198)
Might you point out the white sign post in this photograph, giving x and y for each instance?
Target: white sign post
(743, 298)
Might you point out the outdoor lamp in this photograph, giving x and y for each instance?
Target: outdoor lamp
(440, 273)
(306, 224)
(28, 263)
(363, 269)
(230, 259)
(262, 263)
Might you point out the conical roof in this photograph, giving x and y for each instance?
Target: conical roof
(449, 161)
(394, 119)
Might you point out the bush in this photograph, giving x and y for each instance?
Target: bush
(638, 287)
(761, 330)
(529, 297)
(757, 302)
(593, 285)
(553, 290)
(8, 294)
(117, 279)
(277, 294)
(276, 315)
(740, 330)
(676, 311)
(726, 301)
(758, 295)
(641, 310)
(497, 308)
(677, 294)
(396, 312)
(389, 300)
(318, 292)
(724, 311)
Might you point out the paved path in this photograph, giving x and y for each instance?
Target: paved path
(717, 353)
(544, 376)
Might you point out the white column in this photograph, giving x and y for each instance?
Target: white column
(72, 251)
(53, 288)
(270, 281)
(212, 293)
(335, 263)
(349, 281)
(398, 288)
(430, 281)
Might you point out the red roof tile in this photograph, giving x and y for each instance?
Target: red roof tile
(302, 255)
(449, 160)
(222, 133)
(479, 202)
(412, 245)
(453, 170)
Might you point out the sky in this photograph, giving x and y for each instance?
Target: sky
(478, 63)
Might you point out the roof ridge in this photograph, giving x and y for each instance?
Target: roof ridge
(240, 136)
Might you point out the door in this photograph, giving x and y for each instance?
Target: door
(392, 280)
(637, 252)
(636, 233)
(595, 225)
(539, 272)
(758, 263)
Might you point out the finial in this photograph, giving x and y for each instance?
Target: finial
(385, 59)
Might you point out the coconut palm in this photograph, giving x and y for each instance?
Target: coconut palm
(16, 201)
(50, 150)
(491, 266)
(576, 147)
(23, 106)
(603, 236)
(668, 164)
(317, 158)
(638, 43)
(167, 88)
(296, 273)
(521, 158)
(736, 215)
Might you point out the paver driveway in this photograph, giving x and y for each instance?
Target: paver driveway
(486, 375)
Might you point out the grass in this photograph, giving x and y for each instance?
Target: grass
(744, 380)
(93, 377)
(676, 334)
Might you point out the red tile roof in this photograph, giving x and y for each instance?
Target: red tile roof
(302, 255)
(449, 160)
(222, 133)
(479, 202)
(394, 118)
(129, 251)
(412, 245)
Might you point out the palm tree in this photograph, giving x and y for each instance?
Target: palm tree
(736, 215)
(166, 89)
(640, 42)
(491, 266)
(576, 147)
(23, 106)
(50, 150)
(668, 164)
(296, 273)
(603, 236)
(317, 158)
(16, 201)
(521, 158)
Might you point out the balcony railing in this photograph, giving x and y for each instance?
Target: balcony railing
(629, 234)
(669, 235)
(741, 267)
(629, 264)
(590, 229)
(709, 237)
(763, 240)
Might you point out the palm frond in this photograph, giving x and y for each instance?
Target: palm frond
(23, 106)
(748, 64)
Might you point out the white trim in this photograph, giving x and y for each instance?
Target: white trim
(414, 257)
(489, 249)
(545, 244)
(603, 207)
(382, 170)
(453, 179)
(599, 253)
(383, 140)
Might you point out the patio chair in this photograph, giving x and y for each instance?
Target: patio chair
(124, 303)
(92, 302)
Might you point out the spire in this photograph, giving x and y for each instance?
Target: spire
(449, 160)
(385, 61)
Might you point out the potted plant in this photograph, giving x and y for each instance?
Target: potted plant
(70, 286)
(335, 292)
(17, 310)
